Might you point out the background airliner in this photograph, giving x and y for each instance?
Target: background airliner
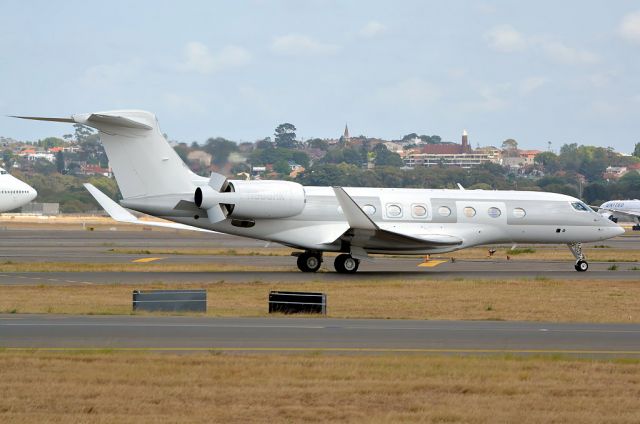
(355, 222)
(13, 192)
(625, 210)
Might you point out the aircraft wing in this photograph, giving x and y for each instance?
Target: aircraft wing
(120, 214)
(630, 214)
(366, 234)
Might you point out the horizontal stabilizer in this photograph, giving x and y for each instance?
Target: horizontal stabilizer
(120, 214)
(42, 118)
(117, 121)
(100, 119)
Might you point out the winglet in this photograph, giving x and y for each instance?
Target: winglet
(356, 217)
(120, 214)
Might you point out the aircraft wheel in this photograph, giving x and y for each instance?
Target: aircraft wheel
(309, 262)
(345, 264)
(581, 266)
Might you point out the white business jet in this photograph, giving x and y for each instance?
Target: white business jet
(354, 221)
(13, 192)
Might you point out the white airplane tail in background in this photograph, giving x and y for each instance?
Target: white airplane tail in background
(142, 160)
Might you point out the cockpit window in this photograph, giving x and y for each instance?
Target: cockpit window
(579, 206)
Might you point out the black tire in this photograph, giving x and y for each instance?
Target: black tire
(309, 262)
(345, 264)
(582, 266)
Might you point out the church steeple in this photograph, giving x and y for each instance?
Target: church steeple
(346, 133)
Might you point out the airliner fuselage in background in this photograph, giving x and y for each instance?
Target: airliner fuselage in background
(354, 221)
(625, 210)
(13, 192)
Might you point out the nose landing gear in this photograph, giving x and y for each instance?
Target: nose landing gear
(581, 261)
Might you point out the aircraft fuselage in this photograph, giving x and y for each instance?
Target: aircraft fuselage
(475, 216)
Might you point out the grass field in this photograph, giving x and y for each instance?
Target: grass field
(120, 387)
(523, 299)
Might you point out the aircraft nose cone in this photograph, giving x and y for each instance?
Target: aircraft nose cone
(32, 193)
(617, 231)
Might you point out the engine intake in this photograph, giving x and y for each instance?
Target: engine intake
(252, 200)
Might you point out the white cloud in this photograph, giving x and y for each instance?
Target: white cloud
(107, 75)
(372, 29)
(597, 80)
(531, 84)
(505, 39)
(629, 28)
(198, 58)
(182, 103)
(456, 73)
(489, 99)
(561, 53)
(413, 91)
(301, 45)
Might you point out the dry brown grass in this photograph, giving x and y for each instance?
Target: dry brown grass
(149, 388)
(532, 300)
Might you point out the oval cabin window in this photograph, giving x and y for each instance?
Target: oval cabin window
(369, 209)
(494, 212)
(419, 211)
(519, 213)
(469, 212)
(444, 211)
(394, 211)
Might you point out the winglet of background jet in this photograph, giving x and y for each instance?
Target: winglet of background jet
(120, 214)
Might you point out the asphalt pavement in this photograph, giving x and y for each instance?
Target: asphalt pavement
(175, 334)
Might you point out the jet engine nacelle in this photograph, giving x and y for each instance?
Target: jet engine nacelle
(251, 200)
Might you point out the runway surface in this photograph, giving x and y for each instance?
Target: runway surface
(107, 246)
(392, 269)
(312, 334)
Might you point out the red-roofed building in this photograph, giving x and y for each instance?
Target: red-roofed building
(90, 169)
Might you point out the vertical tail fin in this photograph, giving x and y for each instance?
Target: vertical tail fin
(142, 160)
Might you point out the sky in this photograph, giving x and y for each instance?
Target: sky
(559, 71)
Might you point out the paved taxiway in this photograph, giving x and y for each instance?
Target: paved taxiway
(107, 246)
(312, 334)
(382, 269)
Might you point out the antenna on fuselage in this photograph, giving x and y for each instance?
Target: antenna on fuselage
(460, 186)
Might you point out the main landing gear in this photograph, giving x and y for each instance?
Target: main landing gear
(581, 261)
(346, 264)
(309, 261)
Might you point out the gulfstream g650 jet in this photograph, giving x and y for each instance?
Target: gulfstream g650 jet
(356, 222)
